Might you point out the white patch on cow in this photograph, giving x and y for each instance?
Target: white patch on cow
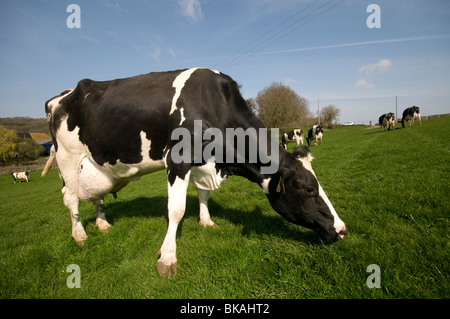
(338, 223)
(205, 218)
(94, 181)
(182, 115)
(306, 161)
(70, 140)
(206, 177)
(133, 172)
(176, 207)
(178, 84)
(265, 185)
(54, 104)
(145, 147)
(86, 97)
(215, 71)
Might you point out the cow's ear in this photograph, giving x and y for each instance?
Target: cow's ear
(285, 175)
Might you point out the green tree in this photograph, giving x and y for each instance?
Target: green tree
(28, 149)
(7, 144)
(279, 106)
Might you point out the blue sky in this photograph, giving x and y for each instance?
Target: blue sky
(322, 49)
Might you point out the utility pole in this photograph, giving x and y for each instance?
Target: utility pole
(318, 110)
(396, 118)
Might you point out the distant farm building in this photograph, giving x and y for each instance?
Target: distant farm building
(40, 138)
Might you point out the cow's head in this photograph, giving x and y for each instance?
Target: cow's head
(319, 128)
(296, 195)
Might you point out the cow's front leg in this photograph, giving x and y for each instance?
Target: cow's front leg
(167, 263)
(205, 218)
(101, 222)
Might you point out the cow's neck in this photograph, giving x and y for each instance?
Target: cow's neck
(252, 171)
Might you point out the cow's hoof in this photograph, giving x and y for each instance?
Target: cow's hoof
(102, 225)
(206, 224)
(166, 270)
(80, 238)
(80, 241)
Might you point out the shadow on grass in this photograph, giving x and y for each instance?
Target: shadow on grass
(378, 130)
(254, 222)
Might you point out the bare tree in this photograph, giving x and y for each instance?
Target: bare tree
(329, 114)
(279, 106)
(251, 102)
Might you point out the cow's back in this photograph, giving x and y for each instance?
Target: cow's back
(113, 115)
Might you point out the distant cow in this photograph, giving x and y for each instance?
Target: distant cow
(315, 133)
(410, 114)
(387, 121)
(295, 135)
(19, 176)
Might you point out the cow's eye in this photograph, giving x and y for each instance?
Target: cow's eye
(310, 191)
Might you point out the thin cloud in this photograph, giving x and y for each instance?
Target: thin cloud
(341, 45)
(115, 5)
(172, 53)
(364, 84)
(191, 10)
(369, 70)
(155, 54)
(380, 67)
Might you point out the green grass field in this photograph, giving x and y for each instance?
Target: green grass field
(391, 189)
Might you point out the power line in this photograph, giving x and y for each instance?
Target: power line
(286, 30)
(264, 34)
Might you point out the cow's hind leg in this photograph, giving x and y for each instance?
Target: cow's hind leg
(167, 263)
(72, 202)
(69, 165)
(205, 218)
(101, 222)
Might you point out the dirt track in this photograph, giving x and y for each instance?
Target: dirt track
(25, 166)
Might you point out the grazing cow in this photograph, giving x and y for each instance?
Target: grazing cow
(17, 177)
(295, 135)
(315, 133)
(410, 114)
(386, 121)
(109, 133)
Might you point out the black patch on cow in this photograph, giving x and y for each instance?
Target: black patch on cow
(112, 114)
(301, 152)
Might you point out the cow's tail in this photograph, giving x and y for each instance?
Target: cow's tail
(403, 122)
(50, 160)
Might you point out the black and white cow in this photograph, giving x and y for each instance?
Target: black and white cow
(107, 134)
(291, 136)
(19, 176)
(315, 133)
(386, 121)
(410, 114)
